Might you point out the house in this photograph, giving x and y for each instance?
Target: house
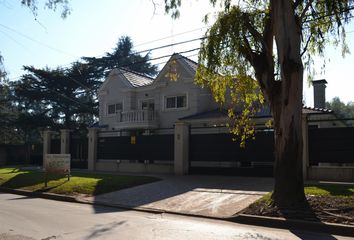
(133, 103)
(168, 124)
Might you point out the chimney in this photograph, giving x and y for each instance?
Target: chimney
(319, 93)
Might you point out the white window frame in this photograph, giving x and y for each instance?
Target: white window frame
(175, 96)
(146, 100)
(116, 112)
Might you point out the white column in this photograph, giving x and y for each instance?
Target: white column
(305, 148)
(47, 137)
(181, 161)
(64, 141)
(92, 148)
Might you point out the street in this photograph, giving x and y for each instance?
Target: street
(24, 218)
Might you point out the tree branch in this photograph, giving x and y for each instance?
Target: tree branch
(306, 45)
(309, 3)
(254, 31)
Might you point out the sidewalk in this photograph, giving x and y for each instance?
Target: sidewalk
(210, 196)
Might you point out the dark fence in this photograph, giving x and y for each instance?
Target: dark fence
(331, 145)
(218, 153)
(55, 146)
(79, 151)
(142, 148)
(21, 154)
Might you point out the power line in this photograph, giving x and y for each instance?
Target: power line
(170, 36)
(36, 41)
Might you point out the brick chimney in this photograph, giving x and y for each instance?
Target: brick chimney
(319, 93)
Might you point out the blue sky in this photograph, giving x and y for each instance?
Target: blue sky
(94, 27)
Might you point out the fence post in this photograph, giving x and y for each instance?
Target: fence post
(305, 148)
(92, 148)
(181, 155)
(64, 141)
(47, 137)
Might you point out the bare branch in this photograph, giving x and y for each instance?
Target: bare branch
(303, 14)
(306, 45)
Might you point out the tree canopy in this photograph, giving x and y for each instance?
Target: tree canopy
(267, 45)
(122, 56)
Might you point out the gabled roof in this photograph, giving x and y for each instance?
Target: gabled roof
(136, 79)
(190, 63)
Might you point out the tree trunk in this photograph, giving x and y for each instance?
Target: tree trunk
(287, 108)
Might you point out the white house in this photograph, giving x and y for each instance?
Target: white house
(134, 103)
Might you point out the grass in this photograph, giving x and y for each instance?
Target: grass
(330, 189)
(80, 183)
(340, 191)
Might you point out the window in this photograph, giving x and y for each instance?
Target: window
(148, 105)
(115, 108)
(176, 102)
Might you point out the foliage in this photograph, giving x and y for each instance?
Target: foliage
(59, 97)
(80, 183)
(340, 108)
(50, 4)
(269, 43)
(8, 132)
(122, 56)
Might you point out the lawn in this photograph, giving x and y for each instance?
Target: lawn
(80, 183)
(327, 203)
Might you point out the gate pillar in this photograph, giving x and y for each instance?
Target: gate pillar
(47, 137)
(305, 147)
(92, 148)
(64, 141)
(181, 156)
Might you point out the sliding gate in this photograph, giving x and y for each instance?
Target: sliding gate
(218, 153)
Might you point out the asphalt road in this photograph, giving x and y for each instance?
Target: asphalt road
(23, 218)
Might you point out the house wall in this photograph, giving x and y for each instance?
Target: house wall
(114, 91)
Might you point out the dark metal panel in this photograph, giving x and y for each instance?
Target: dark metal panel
(331, 145)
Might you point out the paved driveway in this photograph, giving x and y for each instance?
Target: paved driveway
(216, 196)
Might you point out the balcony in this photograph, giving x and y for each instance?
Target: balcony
(137, 119)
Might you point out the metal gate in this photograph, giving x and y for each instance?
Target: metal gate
(79, 151)
(219, 154)
(152, 148)
(331, 145)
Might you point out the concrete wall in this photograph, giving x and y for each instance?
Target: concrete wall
(331, 173)
(127, 167)
(114, 90)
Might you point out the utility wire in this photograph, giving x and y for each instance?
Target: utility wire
(36, 41)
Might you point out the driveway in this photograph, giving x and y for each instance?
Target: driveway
(214, 196)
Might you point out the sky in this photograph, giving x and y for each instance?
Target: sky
(94, 27)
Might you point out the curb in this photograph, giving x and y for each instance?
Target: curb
(271, 222)
(293, 224)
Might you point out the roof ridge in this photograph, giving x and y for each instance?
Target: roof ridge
(318, 109)
(137, 73)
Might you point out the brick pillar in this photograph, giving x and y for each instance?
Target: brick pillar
(64, 141)
(47, 137)
(92, 148)
(305, 148)
(181, 161)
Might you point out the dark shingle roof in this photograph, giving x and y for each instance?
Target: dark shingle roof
(190, 63)
(216, 113)
(306, 109)
(136, 79)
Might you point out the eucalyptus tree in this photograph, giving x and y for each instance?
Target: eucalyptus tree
(270, 43)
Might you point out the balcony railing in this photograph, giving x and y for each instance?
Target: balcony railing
(137, 118)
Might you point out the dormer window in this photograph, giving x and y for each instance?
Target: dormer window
(114, 108)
